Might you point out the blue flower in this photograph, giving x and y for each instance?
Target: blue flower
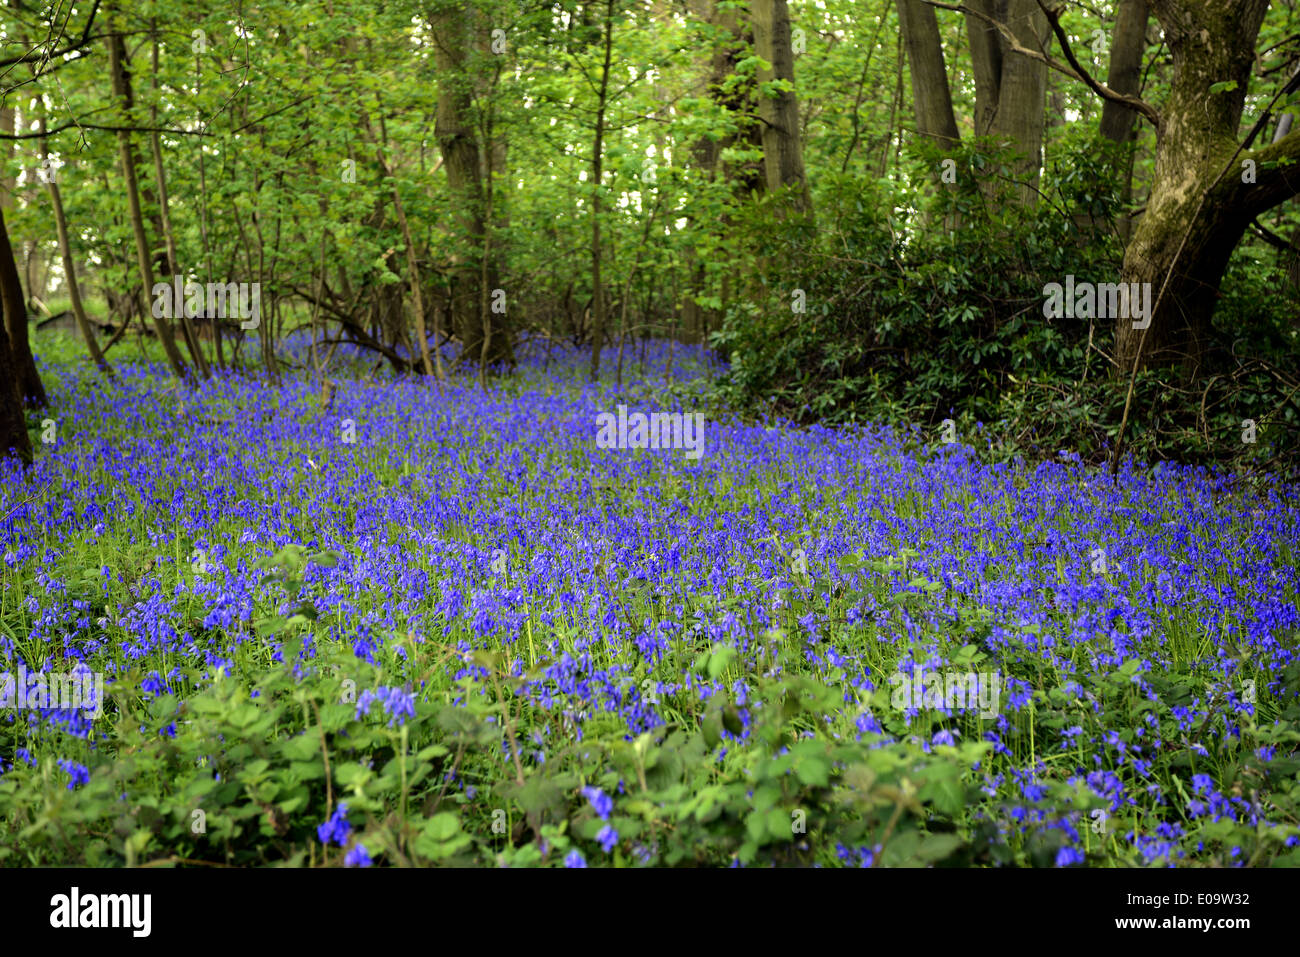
(575, 859)
(1067, 856)
(607, 838)
(337, 828)
(398, 704)
(357, 857)
(79, 773)
(601, 802)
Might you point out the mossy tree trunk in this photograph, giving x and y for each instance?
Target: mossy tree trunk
(1202, 197)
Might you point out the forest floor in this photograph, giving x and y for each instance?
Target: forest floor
(412, 624)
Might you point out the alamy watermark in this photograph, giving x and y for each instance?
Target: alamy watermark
(951, 690)
(216, 300)
(1107, 300)
(75, 909)
(81, 689)
(658, 430)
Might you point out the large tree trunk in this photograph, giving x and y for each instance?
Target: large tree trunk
(1022, 91)
(14, 439)
(1011, 88)
(782, 147)
(15, 310)
(1185, 237)
(931, 100)
(458, 142)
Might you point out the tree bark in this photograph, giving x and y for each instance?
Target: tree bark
(1199, 207)
(597, 173)
(1128, 44)
(1119, 122)
(22, 364)
(461, 153)
(1022, 88)
(164, 214)
(986, 62)
(931, 100)
(779, 112)
(118, 68)
(14, 439)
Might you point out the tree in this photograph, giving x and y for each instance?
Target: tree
(21, 362)
(1010, 85)
(778, 106)
(1118, 120)
(14, 439)
(931, 100)
(462, 155)
(597, 175)
(1207, 186)
(120, 72)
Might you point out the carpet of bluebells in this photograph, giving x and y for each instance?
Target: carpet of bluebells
(406, 624)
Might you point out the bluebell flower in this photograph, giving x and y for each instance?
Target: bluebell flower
(357, 857)
(607, 838)
(601, 802)
(336, 829)
(1067, 856)
(79, 773)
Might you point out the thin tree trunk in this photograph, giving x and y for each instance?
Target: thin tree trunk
(70, 272)
(118, 69)
(597, 171)
(173, 261)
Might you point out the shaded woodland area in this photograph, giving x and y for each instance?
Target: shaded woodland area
(859, 204)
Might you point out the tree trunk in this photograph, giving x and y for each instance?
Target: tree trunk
(931, 100)
(1118, 122)
(70, 274)
(597, 173)
(14, 439)
(118, 69)
(22, 363)
(1022, 88)
(1127, 46)
(1186, 237)
(454, 130)
(782, 149)
(986, 62)
(164, 216)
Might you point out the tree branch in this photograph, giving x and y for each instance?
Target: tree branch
(85, 40)
(1075, 71)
